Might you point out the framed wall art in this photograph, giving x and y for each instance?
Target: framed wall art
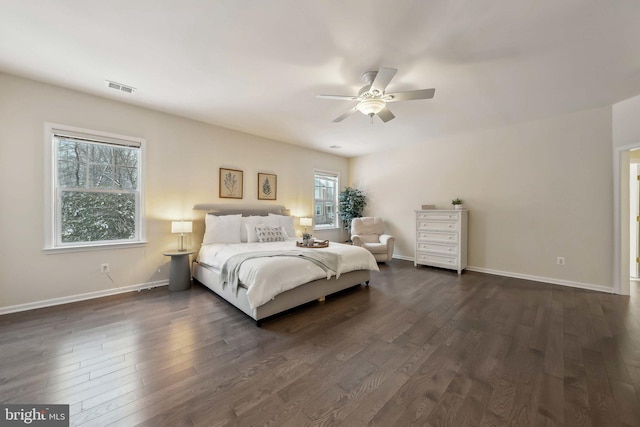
(230, 184)
(267, 186)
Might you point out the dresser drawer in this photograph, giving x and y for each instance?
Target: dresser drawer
(435, 259)
(438, 216)
(438, 236)
(436, 247)
(436, 225)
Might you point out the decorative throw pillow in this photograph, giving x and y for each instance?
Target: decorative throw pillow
(247, 231)
(267, 233)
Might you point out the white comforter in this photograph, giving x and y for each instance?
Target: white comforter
(267, 277)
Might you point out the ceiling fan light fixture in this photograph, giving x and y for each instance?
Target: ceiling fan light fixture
(372, 98)
(369, 107)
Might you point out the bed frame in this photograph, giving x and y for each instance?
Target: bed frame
(315, 290)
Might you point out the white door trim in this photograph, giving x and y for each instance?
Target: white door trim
(621, 216)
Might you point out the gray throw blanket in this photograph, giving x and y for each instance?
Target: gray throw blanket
(328, 261)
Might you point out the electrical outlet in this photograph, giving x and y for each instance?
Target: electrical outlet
(104, 268)
(560, 260)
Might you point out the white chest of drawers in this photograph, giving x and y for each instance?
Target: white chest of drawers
(441, 238)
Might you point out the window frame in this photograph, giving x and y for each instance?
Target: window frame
(53, 239)
(331, 174)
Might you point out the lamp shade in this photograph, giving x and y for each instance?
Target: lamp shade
(371, 106)
(181, 226)
(306, 222)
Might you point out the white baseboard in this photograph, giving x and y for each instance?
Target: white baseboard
(541, 279)
(552, 280)
(405, 258)
(80, 297)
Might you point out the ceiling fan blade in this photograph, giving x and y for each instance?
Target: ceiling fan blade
(385, 115)
(345, 115)
(340, 97)
(410, 95)
(382, 79)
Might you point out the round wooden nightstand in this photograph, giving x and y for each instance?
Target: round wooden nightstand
(180, 273)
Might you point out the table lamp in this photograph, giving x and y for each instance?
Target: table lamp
(306, 222)
(181, 227)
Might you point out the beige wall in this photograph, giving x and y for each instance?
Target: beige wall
(535, 191)
(183, 157)
(626, 128)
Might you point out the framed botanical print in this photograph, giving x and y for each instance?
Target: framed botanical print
(230, 183)
(267, 186)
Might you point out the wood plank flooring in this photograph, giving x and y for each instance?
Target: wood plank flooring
(419, 346)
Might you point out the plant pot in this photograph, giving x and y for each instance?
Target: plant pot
(457, 207)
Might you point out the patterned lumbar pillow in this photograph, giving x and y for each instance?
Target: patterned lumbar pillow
(267, 233)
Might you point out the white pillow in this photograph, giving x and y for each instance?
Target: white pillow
(248, 222)
(250, 229)
(267, 233)
(222, 229)
(287, 223)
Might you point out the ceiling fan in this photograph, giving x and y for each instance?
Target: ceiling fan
(372, 99)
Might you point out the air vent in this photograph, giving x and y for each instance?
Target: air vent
(120, 87)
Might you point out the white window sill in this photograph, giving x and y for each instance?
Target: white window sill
(96, 247)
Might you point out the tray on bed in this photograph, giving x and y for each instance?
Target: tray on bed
(316, 244)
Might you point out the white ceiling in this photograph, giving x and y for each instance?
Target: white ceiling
(257, 66)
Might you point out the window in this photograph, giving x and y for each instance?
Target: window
(325, 199)
(96, 195)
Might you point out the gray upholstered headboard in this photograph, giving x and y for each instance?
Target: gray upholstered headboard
(245, 210)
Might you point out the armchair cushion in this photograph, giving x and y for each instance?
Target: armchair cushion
(376, 248)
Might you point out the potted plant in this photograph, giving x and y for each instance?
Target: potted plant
(351, 203)
(457, 203)
(306, 238)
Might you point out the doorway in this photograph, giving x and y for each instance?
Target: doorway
(622, 218)
(634, 214)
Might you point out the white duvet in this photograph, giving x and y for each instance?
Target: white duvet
(267, 277)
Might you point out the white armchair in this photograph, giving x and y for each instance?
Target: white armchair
(368, 232)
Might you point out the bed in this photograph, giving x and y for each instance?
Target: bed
(249, 257)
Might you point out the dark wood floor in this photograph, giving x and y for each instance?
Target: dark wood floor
(420, 346)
